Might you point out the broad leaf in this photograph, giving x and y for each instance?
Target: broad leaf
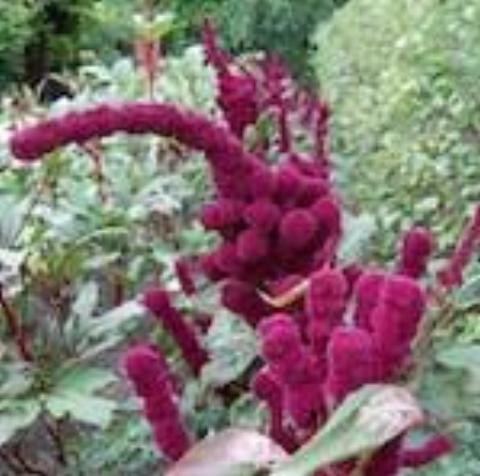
(87, 300)
(84, 380)
(15, 379)
(88, 409)
(365, 421)
(15, 416)
(233, 452)
(232, 347)
(451, 385)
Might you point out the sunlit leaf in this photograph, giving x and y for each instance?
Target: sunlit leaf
(365, 421)
(233, 452)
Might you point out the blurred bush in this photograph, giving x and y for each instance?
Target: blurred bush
(402, 79)
(15, 31)
(282, 26)
(40, 36)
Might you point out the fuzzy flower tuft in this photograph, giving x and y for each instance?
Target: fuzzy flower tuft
(149, 374)
(416, 247)
(157, 301)
(297, 229)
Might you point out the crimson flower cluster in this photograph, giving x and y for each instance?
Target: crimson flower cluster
(278, 225)
(149, 374)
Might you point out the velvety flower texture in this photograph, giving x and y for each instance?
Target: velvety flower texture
(268, 389)
(149, 375)
(395, 321)
(367, 293)
(416, 247)
(157, 301)
(294, 368)
(221, 148)
(452, 274)
(352, 362)
(183, 270)
(243, 299)
(297, 229)
(237, 90)
(278, 224)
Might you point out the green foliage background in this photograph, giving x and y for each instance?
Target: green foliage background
(402, 80)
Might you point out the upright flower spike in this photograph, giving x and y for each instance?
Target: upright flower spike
(183, 270)
(238, 100)
(238, 95)
(325, 304)
(395, 322)
(452, 274)
(416, 247)
(267, 389)
(367, 294)
(149, 374)
(351, 362)
(295, 369)
(326, 295)
(215, 56)
(157, 301)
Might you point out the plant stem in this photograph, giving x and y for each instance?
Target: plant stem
(25, 464)
(14, 324)
(54, 430)
(93, 151)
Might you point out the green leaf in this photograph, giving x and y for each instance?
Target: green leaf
(16, 415)
(357, 236)
(87, 300)
(460, 357)
(469, 294)
(88, 409)
(233, 452)
(84, 380)
(116, 317)
(365, 421)
(232, 347)
(15, 379)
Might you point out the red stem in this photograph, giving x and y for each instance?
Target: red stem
(94, 152)
(15, 328)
